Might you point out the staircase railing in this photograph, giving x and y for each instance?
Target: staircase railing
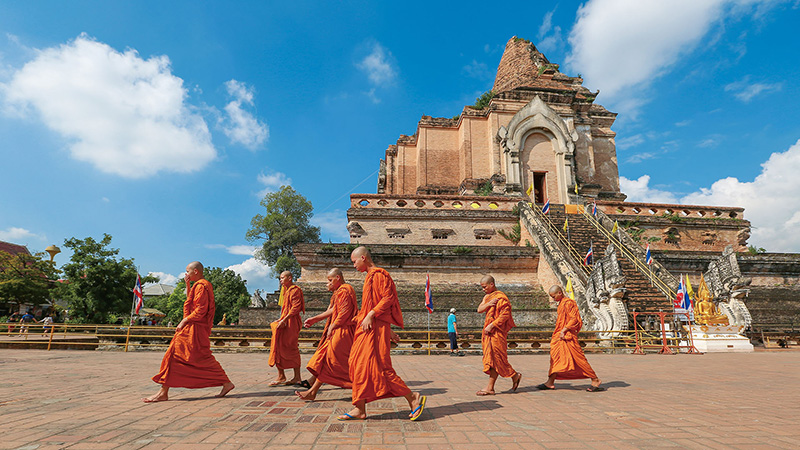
(658, 275)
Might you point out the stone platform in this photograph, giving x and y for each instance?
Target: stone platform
(90, 400)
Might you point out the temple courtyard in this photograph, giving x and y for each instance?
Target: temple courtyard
(91, 400)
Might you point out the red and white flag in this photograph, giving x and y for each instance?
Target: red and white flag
(137, 293)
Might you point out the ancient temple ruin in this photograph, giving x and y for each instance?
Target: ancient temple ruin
(463, 197)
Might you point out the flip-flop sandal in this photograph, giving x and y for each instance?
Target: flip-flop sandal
(595, 389)
(516, 383)
(276, 383)
(481, 393)
(303, 384)
(346, 416)
(544, 387)
(418, 410)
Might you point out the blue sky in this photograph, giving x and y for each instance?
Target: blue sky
(162, 123)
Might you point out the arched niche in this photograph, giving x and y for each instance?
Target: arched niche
(538, 118)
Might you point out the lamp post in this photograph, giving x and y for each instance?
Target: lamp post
(53, 250)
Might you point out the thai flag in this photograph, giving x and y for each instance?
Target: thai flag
(648, 257)
(546, 207)
(137, 292)
(687, 300)
(428, 294)
(594, 209)
(680, 296)
(587, 260)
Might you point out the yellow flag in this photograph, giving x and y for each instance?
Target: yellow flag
(280, 298)
(576, 188)
(530, 189)
(615, 228)
(568, 289)
(689, 288)
(565, 224)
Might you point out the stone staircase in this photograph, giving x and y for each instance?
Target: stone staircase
(648, 288)
(641, 295)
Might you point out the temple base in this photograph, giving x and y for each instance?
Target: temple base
(719, 338)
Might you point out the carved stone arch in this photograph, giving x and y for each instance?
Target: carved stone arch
(537, 116)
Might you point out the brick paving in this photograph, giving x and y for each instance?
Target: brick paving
(90, 400)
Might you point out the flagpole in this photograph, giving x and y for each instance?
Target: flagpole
(429, 333)
(133, 306)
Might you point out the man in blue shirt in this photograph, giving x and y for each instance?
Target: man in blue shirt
(452, 332)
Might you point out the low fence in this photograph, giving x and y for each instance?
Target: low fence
(238, 339)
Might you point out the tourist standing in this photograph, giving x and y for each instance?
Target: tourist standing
(452, 333)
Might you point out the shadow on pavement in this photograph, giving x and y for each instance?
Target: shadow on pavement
(435, 412)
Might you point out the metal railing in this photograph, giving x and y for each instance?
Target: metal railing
(640, 265)
(137, 338)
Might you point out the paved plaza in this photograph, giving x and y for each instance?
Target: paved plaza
(91, 400)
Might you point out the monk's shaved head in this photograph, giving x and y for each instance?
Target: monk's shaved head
(196, 265)
(555, 289)
(361, 251)
(487, 279)
(286, 273)
(336, 272)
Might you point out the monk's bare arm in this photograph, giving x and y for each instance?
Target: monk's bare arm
(487, 302)
(319, 317)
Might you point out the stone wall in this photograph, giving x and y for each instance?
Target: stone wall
(681, 227)
(416, 319)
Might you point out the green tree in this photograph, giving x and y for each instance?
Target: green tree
(26, 278)
(230, 295)
(285, 224)
(484, 100)
(99, 282)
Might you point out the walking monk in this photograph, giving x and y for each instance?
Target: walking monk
(496, 326)
(188, 362)
(330, 362)
(567, 361)
(284, 351)
(371, 369)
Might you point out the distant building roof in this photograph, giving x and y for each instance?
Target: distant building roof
(156, 290)
(14, 249)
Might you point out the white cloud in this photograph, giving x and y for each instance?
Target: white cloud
(549, 37)
(744, 90)
(630, 141)
(255, 273)
(683, 123)
(639, 191)
(15, 234)
(377, 66)
(639, 157)
(708, 143)
(771, 201)
(333, 225)
(240, 125)
(620, 46)
(123, 114)
(477, 70)
(246, 250)
(165, 278)
(272, 182)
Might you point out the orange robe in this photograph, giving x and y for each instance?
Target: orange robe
(495, 343)
(330, 362)
(284, 351)
(188, 362)
(567, 360)
(371, 369)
